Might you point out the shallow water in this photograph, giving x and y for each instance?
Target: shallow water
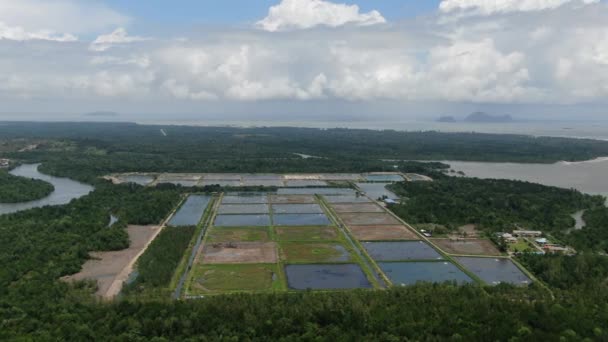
(376, 190)
(384, 178)
(242, 220)
(191, 212)
(326, 277)
(297, 209)
(590, 177)
(301, 220)
(65, 190)
(409, 273)
(401, 250)
(495, 270)
(316, 191)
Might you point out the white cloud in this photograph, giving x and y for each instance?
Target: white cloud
(116, 37)
(20, 34)
(66, 16)
(488, 7)
(304, 14)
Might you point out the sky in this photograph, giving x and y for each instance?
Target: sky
(304, 59)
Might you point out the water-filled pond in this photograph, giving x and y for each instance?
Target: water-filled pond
(316, 191)
(409, 273)
(376, 190)
(401, 250)
(297, 209)
(191, 212)
(495, 270)
(245, 198)
(301, 220)
(65, 190)
(326, 277)
(242, 220)
(243, 209)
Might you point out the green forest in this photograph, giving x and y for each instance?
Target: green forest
(84, 151)
(15, 189)
(502, 206)
(39, 246)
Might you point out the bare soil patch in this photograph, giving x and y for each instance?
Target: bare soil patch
(467, 246)
(383, 233)
(239, 253)
(368, 219)
(111, 269)
(357, 208)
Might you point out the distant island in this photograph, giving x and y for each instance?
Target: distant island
(478, 117)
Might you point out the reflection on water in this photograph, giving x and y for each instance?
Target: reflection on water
(590, 177)
(65, 190)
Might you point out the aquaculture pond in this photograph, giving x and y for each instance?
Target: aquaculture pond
(316, 191)
(243, 209)
(495, 270)
(301, 220)
(376, 190)
(244, 198)
(191, 212)
(409, 273)
(242, 220)
(297, 209)
(401, 250)
(304, 183)
(326, 277)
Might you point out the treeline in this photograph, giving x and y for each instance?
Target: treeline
(494, 205)
(15, 189)
(87, 151)
(157, 265)
(55, 241)
(595, 233)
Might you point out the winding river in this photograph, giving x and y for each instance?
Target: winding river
(65, 190)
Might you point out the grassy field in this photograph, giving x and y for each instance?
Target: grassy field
(521, 246)
(216, 235)
(306, 233)
(213, 279)
(306, 252)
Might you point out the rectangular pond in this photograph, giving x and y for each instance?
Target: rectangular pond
(410, 273)
(495, 270)
(191, 212)
(243, 209)
(376, 190)
(316, 191)
(297, 209)
(242, 220)
(303, 183)
(326, 277)
(301, 220)
(244, 198)
(401, 250)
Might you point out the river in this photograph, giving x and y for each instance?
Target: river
(588, 176)
(65, 190)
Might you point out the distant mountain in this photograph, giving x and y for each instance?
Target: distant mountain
(106, 114)
(481, 117)
(446, 119)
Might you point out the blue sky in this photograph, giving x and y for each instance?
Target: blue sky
(190, 12)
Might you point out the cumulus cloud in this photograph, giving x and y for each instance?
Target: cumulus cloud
(304, 14)
(116, 37)
(488, 7)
